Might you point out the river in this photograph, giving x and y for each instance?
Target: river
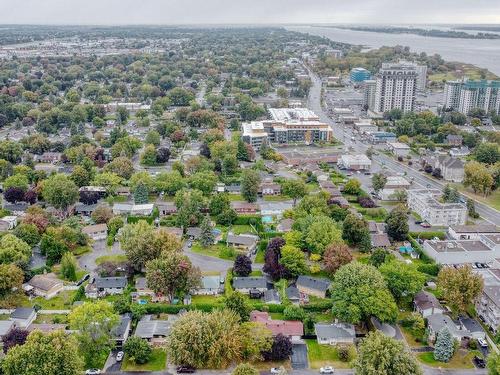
(484, 53)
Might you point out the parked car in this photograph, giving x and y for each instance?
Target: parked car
(93, 371)
(482, 342)
(275, 370)
(83, 279)
(425, 225)
(119, 356)
(479, 362)
(185, 369)
(326, 370)
(418, 222)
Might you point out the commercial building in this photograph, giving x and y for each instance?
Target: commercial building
(382, 137)
(471, 232)
(355, 162)
(287, 125)
(396, 88)
(483, 250)
(365, 126)
(359, 75)
(462, 96)
(426, 204)
(398, 148)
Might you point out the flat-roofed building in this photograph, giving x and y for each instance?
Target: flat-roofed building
(355, 162)
(254, 134)
(471, 232)
(426, 204)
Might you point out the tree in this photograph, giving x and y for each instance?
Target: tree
(335, 256)
(378, 181)
(378, 257)
(207, 237)
(219, 203)
(460, 287)
(397, 223)
(322, 232)
(444, 347)
(170, 183)
(205, 340)
(16, 336)
(493, 363)
(19, 181)
(28, 233)
(162, 155)
(382, 355)
(403, 280)
(359, 291)
(14, 250)
(149, 156)
(153, 138)
(94, 322)
(11, 278)
(80, 176)
(121, 166)
(242, 265)
(250, 182)
(14, 194)
(138, 350)
(52, 248)
(256, 339)
(68, 266)
(142, 243)
(53, 353)
(227, 217)
(280, 350)
(294, 189)
(189, 206)
(354, 229)
(238, 303)
(353, 187)
(294, 312)
(204, 181)
(180, 97)
(141, 194)
(477, 176)
(272, 266)
(471, 208)
(102, 214)
(172, 275)
(245, 369)
(487, 153)
(59, 191)
(294, 260)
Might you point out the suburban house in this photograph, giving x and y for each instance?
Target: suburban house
(49, 157)
(398, 148)
(142, 289)
(103, 286)
(100, 191)
(244, 242)
(23, 316)
(293, 294)
(452, 169)
(454, 140)
(427, 304)
(177, 232)
(274, 208)
(133, 209)
(312, 286)
(193, 233)
(96, 231)
(210, 285)
(120, 333)
(355, 162)
(289, 328)
(44, 286)
(249, 284)
(153, 331)
(334, 333)
(285, 225)
(459, 152)
(436, 322)
(244, 207)
(375, 227)
(269, 188)
(380, 240)
(166, 208)
(5, 327)
(85, 209)
(471, 232)
(271, 297)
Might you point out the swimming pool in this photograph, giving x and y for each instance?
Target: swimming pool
(267, 219)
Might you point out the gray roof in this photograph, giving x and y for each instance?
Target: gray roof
(110, 282)
(147, 328)
(334, 330)
(471, 325)
(321, 285)
(240, 239)
(425, 300)
(439, 321)
(5, 326)
(210, 282)
(252, 282)
(22, 313)
(478, 228)
(271, 296)
(141, 283)
(292, 293)
(121, 329)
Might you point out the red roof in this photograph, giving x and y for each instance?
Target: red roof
(285, 327)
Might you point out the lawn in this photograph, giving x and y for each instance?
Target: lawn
(461, 360)
(410, 339)
(239, 229)
(119, 258)
(216, 251)
(82, 250)
(260, 256)
(62, 301)
(206, 299)
(235, 197)
(52, 319)
(256, 273)
(323, 355)
(492, 200)
(157, 362)
(275, 198)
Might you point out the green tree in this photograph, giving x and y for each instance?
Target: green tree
(121, 166)
(250, 182)
(170, 182)
(68, 266)
(294, 189)
(17, 181)
(11, 278)
(378, 181)
(149, 155)
(138, 350)
(397, 223)
(172, 275)
(477, 176)
(403, 279)
(94, 322)
(382, 355)
(245, 369)
(141, 194)
(219, 203)
(14, 250)
(354, 230)
(54, 353)
(189, 206)
(207, 237)
(204, 181)
(60, 191)
(153, 138)
(294, 260)
(353, 187)
(28, 233)
(359, 291)
(108, 180)
(487, 153)
(238, 303)
(444, 347)
(294, 312)
(493, 363)
(320, 233)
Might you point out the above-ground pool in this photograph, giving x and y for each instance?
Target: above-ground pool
(267, 219)
(142, 302)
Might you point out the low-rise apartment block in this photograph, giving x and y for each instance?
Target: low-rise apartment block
(425, 202)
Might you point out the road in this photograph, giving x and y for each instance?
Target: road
(345, 134)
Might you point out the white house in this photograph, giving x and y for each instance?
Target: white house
(427, 304)
(398, 148)
(23, 316)
(471, 232)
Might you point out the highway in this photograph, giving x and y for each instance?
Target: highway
(344, 134)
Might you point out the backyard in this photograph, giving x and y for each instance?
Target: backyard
(218, 251)
(157, 362)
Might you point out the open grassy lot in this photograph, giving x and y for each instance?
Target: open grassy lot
(111, 258)
(52, 319)
(157, 362)
(216, 251)
(492, 200)
(239, 229)
(323, 355)
(461, 360)
(275, 198)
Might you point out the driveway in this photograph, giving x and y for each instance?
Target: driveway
(299, 357)
(87, 261)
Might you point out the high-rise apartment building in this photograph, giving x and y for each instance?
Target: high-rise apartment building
(463, 96)
(396, 88)
(370, 88)
(421, 72)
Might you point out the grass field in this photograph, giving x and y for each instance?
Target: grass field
(492, 200)
(239, 229)
(259, 257)
(461, 360)
(471, 71)
(206, 299)
(275, 198)
(323, 355)
(111, 258)
(157, 362)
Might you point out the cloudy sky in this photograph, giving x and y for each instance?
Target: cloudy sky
(247, 11)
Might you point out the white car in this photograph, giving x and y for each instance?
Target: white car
(275, 370)
(482, 342)
(93, 371)
(119, 356)
(326, 370)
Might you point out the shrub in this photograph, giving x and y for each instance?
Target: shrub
(366, 202)
(293, 312)
(137, 349)
(429, 269)
(346, 352)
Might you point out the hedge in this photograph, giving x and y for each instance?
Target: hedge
(423, 256)
(428, 235)
(135, 219)
(269, 235)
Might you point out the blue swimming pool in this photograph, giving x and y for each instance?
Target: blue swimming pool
(267, 219)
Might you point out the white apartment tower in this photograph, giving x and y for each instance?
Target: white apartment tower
(462, 96)
(396, 88)
(370, 88)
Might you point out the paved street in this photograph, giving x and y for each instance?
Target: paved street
(87, 261)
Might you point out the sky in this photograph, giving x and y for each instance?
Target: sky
(112, 12)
